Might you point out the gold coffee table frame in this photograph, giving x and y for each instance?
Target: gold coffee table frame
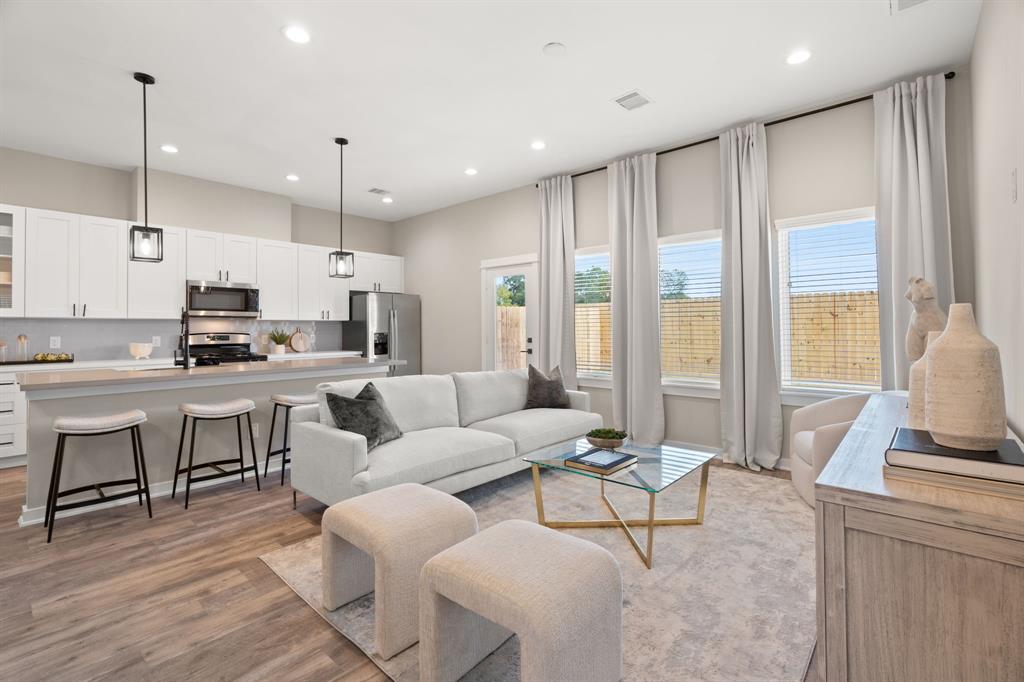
(618, 522)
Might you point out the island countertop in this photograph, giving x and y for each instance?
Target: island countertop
(40, 385)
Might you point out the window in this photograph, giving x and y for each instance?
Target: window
(593, 314)
(690, 274)
(828, 301)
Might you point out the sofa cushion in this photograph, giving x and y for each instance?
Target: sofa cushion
(803, 446)
(423, 401)
(540, 427)
(483, 395)
(545, 390)
(427, 455)
(366, 414)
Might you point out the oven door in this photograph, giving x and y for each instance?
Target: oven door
(222, 299)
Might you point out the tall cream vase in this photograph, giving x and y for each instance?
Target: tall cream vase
(918, 382)
(965, 406)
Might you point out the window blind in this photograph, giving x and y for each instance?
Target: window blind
(690, 276)
(593, 315)
(828, 305)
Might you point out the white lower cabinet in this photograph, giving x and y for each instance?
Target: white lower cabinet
(156, 291)
(75, 266)
(277, 272)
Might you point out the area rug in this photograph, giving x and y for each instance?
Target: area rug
(730, 600)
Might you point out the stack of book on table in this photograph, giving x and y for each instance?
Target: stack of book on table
(913, 456)
(599, 461)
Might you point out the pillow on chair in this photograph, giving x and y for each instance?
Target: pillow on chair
(365, 414)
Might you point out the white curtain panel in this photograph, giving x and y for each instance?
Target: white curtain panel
(913, 208)
(751, 407)
(557, 346)
(637, 405)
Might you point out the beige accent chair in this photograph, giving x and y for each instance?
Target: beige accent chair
(379, 542)
(815, 432)
(560, 594)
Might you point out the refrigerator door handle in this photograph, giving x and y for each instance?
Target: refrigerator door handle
(393, 341)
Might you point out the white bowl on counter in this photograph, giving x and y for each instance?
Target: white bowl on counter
(140, 351)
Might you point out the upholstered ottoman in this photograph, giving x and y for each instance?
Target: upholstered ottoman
(561, 595)
(378, 543)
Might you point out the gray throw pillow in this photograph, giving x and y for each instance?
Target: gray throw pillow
(366, 414)
(546, 391)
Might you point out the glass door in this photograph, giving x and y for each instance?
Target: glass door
(12, 261)
(510, 316)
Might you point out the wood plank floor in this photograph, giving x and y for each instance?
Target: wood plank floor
(181, 596)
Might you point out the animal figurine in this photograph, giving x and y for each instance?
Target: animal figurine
(927, 316)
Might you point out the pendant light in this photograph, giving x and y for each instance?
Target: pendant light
(146, 243)
(341, 263)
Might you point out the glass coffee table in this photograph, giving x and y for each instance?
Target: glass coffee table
(656, 470)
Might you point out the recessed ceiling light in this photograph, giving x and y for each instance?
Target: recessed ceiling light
(471, 171)
(387, 200)
(538, 144)
(553, 49)
(169, 148)
(798, 56)
(296, 34)
(291, 177)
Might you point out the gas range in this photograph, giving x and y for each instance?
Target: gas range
(206, 349)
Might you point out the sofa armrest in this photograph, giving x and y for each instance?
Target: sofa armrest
(305, 413)
(833, 411)
(324, 460)
(579, 400)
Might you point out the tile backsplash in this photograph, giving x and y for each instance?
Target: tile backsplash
(109, 339)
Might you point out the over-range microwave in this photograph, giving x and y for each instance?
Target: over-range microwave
(222, 299)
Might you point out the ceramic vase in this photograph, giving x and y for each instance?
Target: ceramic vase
(918, 372)
(277, 349)
(965, 406)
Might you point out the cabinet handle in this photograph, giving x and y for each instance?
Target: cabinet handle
(261, 313)
(227, 274)
(84, 305)
(73, 307)
(328, 314)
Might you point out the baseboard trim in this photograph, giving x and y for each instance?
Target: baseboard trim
(15, 461)
(34, 515)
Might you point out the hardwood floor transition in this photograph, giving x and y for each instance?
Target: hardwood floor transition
(181, 596)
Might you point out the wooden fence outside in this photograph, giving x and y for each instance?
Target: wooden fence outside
(833, 337)
(510, 337)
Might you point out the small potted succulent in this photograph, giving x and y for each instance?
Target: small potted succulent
(279, 339)
(609, 439)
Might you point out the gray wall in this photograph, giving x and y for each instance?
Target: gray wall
(28, 179)
(318, 226)
(817, 164)
(997, 70)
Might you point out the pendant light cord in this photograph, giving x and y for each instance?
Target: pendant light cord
(145, 162)
(341, 189)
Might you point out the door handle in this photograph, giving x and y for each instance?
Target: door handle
(528, 351)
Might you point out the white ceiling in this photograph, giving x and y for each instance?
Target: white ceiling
(425, 89)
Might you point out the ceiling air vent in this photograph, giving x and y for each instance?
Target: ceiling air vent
(632, 100)
(378, 191)
(901, 5)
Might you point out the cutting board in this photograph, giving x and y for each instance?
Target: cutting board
(299, 341)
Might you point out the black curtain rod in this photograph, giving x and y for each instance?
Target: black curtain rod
(949, 76)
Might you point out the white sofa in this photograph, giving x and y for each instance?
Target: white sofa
(458, 431)
(815, 433)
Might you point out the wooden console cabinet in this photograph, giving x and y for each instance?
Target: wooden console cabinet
(914, 582)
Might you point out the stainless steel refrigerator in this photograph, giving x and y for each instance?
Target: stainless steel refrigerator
(385, 326)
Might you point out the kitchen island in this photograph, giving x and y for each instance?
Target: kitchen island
(158, 392)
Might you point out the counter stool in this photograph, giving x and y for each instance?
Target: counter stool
(96, 426)
(229, 409)
(287, 402)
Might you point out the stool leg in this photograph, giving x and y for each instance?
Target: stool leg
(270, 440)
(252, 447)
(191, 453)
(145, 476)
(241, 452)
(53, 475)
(56, 486)
(177, 462)
(135, 461)
(285, 447)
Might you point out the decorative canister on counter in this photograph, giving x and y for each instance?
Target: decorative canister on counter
(965, 406)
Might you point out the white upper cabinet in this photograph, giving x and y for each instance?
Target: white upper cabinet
(239, 259)
(103, 268)
(76, 266)
(205, 255)
(157, 290)
(12, 261)
(277, 270)
(378, 272)
(321, 297)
